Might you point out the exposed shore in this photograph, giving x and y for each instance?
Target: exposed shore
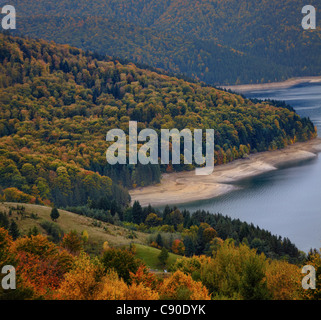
(273, 85)
(185, 187)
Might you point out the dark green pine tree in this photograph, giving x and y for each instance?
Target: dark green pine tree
(4, 221)
(137, 212)
(163, 256)
(166, 214)
(14, 230)
(200, 241)
(33, 232)
(189, 246)
(159, 240)
(54, 215)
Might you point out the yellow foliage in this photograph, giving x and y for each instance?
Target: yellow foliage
(114, 288)
(283, 280)
(105, 246)
(85, 236)
(140, 292)
(180, 286)
(81, 283)
(190, 265)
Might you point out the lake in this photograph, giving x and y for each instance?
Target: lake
(286, 201)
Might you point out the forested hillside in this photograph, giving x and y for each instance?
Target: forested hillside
(78, 258)
(219, 42)
(57, 104)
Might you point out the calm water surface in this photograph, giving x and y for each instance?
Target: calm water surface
(287, 201)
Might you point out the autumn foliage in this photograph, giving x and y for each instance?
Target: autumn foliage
(180, 286)
(48, 271)
(40, 264)
(81, 282)
(58, 102)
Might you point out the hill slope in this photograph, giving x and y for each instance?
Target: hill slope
(98, 232)
(57, 104)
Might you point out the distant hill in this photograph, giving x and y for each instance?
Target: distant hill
(57, 103)
(219, 42)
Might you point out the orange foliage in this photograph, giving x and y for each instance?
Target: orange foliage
(155, 245)
(40, 264)
(114, 288)
(142, 276)
(180, 286)
(178, 247)
(140, 292)
(15, 195)
(5, 244)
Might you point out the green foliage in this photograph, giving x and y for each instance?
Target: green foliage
(150, 256)
(4, 221)
(163, 256)
(33, 231)
(137, 213)
(262, 240)
(54, 215)
(14, 230)
(53, 230)
(253, 283)
(122, 261)
(98, 214)
(159, 240)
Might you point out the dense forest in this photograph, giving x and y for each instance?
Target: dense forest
(219, 42)
(58, 102)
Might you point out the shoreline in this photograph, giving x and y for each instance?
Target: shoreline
(272, 85)
(185, 187)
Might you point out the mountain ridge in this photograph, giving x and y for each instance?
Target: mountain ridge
(219, 42)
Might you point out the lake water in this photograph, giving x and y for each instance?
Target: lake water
(286, 201)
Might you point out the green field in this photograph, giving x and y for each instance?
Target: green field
(150, 256)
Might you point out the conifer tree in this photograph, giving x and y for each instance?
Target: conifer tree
(14, 230)
(163, 256)
(54, 215)
(137, 212)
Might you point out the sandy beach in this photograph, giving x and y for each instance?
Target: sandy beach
(184, 187)
(273, 85)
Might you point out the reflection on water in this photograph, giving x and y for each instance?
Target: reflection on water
(287, 201)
